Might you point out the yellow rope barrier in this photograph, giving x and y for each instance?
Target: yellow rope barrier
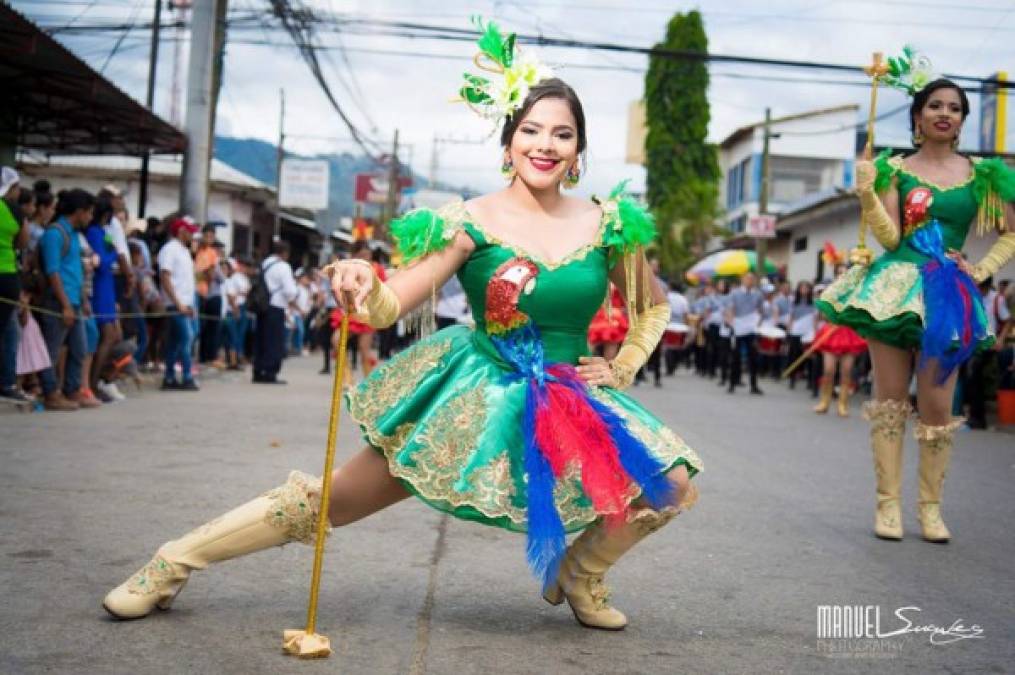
(116, 315)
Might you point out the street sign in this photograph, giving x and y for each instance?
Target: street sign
(373, 189)
(761, 227)
(304, 184)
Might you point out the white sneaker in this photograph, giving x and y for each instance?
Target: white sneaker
(110, 389)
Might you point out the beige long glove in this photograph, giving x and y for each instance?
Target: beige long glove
(872, 210)
(997, 257)
(639, 344)
(381, 304)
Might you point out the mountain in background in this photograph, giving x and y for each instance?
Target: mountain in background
(257, 158)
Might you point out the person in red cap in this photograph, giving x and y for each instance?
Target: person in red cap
(177, 276)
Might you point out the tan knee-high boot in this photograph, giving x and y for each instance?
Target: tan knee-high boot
(594, 552)
(286, 513)
(888, 426)
(935, 454)
(845, 391)
(827, 385)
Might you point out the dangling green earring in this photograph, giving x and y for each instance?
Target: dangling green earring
(507, 169)
(572, 177)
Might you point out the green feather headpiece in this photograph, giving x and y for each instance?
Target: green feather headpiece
(515, 72)
(910, 72)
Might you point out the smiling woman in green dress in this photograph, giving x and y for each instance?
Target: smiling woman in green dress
(511, 424)
(919, 296)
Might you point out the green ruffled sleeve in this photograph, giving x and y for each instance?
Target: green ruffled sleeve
(886, 170)
(629, 225)
(993, 174)
(421, 232)
(993, 187)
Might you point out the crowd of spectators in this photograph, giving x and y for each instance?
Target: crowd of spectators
(91, 298)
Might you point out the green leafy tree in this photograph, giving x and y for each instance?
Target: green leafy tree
(683, 169)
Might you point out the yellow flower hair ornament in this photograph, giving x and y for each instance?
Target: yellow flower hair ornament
(514, 72)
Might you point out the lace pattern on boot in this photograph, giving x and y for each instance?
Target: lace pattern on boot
(295, 505)
(153, 577)
(936, 438)
(887, 417)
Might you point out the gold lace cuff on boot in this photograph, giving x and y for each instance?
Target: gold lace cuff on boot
(888, 415)
(295, 505)
(935, 437)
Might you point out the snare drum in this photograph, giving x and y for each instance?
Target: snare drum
(771, 340)
(676, 336)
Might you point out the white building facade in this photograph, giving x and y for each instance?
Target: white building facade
(809, 152)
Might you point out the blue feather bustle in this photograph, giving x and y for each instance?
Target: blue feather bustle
(952, 326)
(522, 348)
(546, 542)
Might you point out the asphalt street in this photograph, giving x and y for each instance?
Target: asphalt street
(733, 586)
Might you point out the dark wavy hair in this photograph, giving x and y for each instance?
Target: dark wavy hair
(922, 96)
(551, 88)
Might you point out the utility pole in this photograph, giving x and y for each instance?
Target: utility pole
(216, 71)
(761, 244)
(391, 206)
(194, 187)
(279, 156)
(180, 9)
(153, 58)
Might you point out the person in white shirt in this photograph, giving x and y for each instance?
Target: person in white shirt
(269, 343)
(679, 310)
(299, 310)
(235, 289)
(177, 276)
(743, 315)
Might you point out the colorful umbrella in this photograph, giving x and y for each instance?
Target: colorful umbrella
(730, 263)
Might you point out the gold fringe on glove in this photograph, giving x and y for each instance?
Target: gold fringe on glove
(997, 257)
(642, 339)
(877, 219)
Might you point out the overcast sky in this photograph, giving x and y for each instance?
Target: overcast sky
(383, 91)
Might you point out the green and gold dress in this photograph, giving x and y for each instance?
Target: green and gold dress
(888, 301)
(449, 413)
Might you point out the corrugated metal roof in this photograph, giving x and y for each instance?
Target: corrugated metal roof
(55, 102)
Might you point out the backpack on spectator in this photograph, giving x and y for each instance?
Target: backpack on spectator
(259, 297)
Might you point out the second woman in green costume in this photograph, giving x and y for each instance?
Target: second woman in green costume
(921, 208)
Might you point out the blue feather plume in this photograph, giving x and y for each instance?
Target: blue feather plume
(546, 541)
(952, 326)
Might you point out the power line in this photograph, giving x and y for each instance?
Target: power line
(845, 127)
(123, 36)
(297, 24)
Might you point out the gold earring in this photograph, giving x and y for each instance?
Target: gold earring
(572, 177)
(507, 169)
(918, 136)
